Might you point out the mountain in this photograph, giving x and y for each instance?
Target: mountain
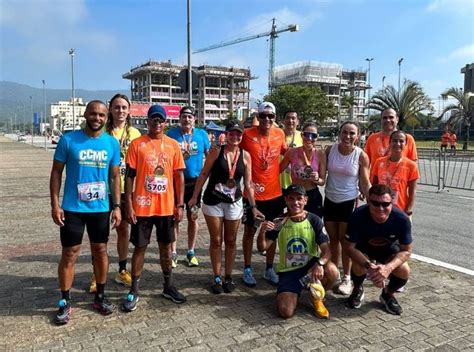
(15, 97)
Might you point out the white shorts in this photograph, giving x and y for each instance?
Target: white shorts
(228, 211)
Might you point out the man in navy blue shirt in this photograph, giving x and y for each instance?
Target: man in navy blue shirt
(379, 242)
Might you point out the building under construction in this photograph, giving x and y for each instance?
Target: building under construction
(345, 88)
(220, 90)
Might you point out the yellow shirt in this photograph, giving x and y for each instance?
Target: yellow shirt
(124, 140)
(285, 176)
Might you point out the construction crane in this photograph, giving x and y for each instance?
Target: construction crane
(273, 34)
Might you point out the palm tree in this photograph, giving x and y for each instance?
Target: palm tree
(461, 110)
(409, 102)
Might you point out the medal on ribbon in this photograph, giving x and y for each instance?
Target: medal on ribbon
(231, 183)
(186, 145)
(160, 167)
(159, 170)
(307, 169)
(263, 154)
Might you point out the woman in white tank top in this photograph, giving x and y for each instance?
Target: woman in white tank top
(348, 167)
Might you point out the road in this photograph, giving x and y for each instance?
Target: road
(443, 225)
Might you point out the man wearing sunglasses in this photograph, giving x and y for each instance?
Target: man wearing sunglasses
(379, 242)
(154, 193)
(265, 143)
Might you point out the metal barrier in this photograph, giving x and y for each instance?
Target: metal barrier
(446, 170)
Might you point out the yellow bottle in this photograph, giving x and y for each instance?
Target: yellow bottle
(317, 294)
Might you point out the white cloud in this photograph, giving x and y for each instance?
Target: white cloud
(254, 55)
(49, 28)
(462, 54)
(459, 7)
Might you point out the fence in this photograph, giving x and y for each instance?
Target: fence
(444, 169)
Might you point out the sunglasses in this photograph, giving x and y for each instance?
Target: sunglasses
(310, 135)
(266, 116)
(378, 204)
(156, 120)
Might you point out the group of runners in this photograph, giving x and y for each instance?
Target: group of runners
(266, 177)
(449, 137)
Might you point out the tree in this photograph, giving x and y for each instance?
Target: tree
(461, 110)
(347, 102)
(309, 102)
(409, 102)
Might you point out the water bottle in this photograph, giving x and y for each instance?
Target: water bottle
(194, 212)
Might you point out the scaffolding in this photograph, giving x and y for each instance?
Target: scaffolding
(221, 91)
(335, 81)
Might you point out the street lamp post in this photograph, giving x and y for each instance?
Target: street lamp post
(71, 52)
(383, 82)
(44, 113)
(399, 74)
(32, 121)
(190, 89)
(368, 78)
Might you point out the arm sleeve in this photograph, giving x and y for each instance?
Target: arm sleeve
(405, 230)
(116, 152)
(61, 150)
(352, 234)
(318, 228)
(131, 157)
(207, 143)
(271, 235)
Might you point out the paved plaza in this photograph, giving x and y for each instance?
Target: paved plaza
(438, 305)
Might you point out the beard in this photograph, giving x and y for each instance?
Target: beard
(95, 129)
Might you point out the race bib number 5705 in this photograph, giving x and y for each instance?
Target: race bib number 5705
(155, 184)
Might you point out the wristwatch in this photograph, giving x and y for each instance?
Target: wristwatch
(409, 212)
(320, 262)
(116, 206)
(180, 206)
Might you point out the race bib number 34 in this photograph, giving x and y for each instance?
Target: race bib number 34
(155, 184)
(91, 191)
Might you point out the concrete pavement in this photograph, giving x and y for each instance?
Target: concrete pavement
(439, 303)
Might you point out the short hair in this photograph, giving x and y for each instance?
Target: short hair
(389, 108)
(288, 111)
(350, 122)
(397, 132)
(93, 102)
(380, 190)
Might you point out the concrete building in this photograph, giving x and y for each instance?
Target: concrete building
(220, 90)
(345, 88)
(61, 114)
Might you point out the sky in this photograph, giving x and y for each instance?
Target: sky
(435, 38)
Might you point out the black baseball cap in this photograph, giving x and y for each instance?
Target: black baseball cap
(295, 189)
(234, 125)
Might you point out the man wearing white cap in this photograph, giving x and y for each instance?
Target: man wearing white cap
(265, 144)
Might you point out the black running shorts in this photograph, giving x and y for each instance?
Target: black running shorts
(141, 231)
(97, 225)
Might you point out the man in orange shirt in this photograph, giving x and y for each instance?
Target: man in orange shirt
(265, 143)
(452, 141)
(154, 161)
(378, 143)
(445, 140)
